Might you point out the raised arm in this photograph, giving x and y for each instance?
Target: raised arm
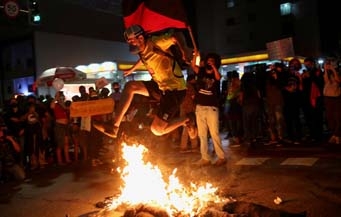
(133, 68)
(329, 67)
(194, 67)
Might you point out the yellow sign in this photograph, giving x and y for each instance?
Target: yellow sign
(92, 107)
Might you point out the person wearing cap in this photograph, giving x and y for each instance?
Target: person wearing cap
(167, 85)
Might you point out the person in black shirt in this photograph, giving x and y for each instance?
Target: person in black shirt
(207, 108)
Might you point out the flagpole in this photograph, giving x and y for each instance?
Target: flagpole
(192, 38)
(196, 51)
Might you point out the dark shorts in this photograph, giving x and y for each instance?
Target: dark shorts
(60, 132)
(170, 100)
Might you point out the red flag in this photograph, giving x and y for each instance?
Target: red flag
(154, 15)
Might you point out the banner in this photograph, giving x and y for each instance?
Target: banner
(154, 15)
(92, 107)
(280, 49)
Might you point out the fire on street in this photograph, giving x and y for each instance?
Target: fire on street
(169, 181)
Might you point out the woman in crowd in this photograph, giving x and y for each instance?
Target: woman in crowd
(61, 128)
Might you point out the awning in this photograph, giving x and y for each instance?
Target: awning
(68, 74)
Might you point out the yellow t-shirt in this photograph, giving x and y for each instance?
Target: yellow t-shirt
(163, 69)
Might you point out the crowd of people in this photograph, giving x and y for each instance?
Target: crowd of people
(298, 103)
(39, 132)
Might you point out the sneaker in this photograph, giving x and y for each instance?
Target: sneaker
(107, 129)
(220, 162)
(113, 131)
(202, 163)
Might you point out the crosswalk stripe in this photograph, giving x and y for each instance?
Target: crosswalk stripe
(298, 161)
(303, 161)
(252, 161)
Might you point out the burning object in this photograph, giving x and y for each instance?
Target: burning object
(144, 186)
(146, 193)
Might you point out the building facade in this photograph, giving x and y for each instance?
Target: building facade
(234, 27)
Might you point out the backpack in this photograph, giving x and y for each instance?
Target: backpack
(175, 49)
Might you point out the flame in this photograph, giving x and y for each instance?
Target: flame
(144, 184)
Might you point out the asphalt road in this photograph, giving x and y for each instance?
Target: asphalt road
(305, 178)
